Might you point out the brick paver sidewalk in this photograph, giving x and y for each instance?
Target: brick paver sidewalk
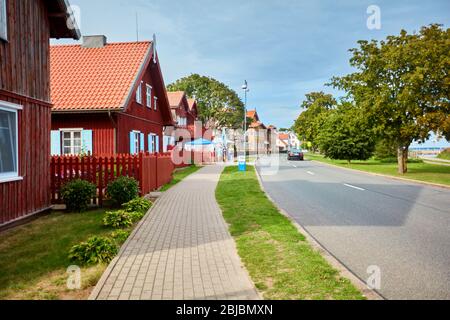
(181, 250)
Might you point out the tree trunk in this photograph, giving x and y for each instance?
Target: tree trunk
(402, 156)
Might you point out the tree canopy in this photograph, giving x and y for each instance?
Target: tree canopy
(346, 134)
(309, 123)
(402, 84)
(218, 105)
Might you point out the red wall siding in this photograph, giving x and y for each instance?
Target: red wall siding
(126, 124)
(31, 195)
(24, 80)
(139, 117)
(103, 139)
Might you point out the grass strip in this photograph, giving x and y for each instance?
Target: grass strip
(280, 261)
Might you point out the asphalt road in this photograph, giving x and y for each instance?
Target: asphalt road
(363, 220)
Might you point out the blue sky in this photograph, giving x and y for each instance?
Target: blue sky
(284, 49)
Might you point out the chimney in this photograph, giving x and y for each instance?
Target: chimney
(94, 41)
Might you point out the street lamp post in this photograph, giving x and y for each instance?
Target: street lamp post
(242, 166)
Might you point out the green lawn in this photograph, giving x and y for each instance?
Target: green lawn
(279, 259)
(417, 170)
(33, 257)
(179, 175)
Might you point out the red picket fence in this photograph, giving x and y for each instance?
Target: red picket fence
(151, 170)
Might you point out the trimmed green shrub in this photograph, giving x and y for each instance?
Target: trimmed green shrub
(94, 250)
(117, 219)
(137, 205)
(120, 236)
(136, 216)
(77, 195)
(122, 190)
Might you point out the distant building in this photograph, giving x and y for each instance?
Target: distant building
(432, 146)
(287, 141)
(256, 135)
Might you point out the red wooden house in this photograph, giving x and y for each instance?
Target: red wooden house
(25, 29)
(108, 98)
(180, 108)
(181, 113)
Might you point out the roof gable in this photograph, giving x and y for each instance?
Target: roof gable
(192, 106)
(253, 115)
(178, 99)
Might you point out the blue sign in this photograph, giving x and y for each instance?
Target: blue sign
(242, 163)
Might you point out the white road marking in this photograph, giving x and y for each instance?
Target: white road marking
(357, 188)
(311, 173)
(294, 166)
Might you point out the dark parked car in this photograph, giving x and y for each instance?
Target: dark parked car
(296, 154)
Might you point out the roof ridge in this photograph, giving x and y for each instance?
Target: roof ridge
(108, 43)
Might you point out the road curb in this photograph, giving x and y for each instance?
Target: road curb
(431, 184)
(344, 271)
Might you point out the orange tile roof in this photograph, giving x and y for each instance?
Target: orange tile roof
(257, 124)
(283, 136)
(251, 114)
(84, 79)
(192, 103)
(175, 98)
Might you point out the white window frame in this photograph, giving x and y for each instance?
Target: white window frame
(155, 103)
(14, 108)
(139, 94)
(72, 146)
(4, 18)
(137, 141)
(149, 95)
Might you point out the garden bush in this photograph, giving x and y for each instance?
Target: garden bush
(122, 190)
(94, 250)
(118, 219)
(77, 195)
(120, 236)
(136, 216)
(137, 205)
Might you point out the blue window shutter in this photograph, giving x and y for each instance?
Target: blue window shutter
(157, 144)
(86, 141)
(132, 143)
(142, 141)
(55, 139)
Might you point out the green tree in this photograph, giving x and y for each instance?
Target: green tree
(218, 105)
(402, 84)
(316, 107)
(346, 134)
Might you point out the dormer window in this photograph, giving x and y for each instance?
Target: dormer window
(3, 21)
